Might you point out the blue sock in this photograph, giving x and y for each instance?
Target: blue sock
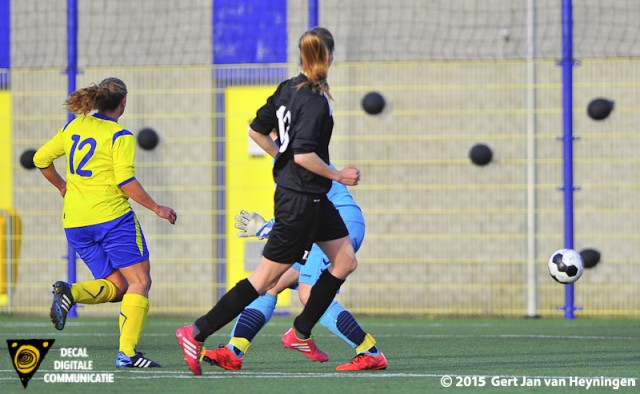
(253, 318)
(342, 324)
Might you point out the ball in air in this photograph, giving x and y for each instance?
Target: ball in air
(565, 266)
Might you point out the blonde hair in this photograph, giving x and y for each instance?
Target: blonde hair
(314, 61)
(106, 96)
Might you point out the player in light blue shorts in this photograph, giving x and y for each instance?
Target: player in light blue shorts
(302, 276)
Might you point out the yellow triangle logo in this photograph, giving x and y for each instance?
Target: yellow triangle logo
(26, 355)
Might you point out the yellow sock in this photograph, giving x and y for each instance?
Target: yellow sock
(96, 291)
(366, 344)
(241, 343)
(133, 313)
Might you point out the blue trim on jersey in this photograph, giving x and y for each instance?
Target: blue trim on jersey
(68, 123)
(104, 117)
(127, 181)
(120, 134)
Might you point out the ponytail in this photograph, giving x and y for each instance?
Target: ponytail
(105, 96)
(314, 60)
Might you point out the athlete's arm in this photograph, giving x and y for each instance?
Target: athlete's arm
(137, 193)
(264, 141)
(51, 174)
(43, 160)
(311, 161)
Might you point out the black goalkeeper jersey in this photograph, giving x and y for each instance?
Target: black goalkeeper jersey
(304, 122)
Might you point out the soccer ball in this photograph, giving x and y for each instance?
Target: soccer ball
(566, 266)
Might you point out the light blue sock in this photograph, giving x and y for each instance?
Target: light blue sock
(330, 320)
(254, 317)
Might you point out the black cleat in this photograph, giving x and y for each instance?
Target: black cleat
(62, 302)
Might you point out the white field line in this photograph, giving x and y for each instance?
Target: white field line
(57, 334)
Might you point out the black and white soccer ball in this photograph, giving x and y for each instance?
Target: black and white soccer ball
(566, 266)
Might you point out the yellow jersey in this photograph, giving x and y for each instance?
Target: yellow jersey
(99, 157)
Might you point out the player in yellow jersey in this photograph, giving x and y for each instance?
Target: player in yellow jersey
(97, 216)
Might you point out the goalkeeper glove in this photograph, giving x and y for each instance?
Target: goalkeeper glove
(253, 225)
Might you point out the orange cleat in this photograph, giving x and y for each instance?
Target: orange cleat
(190, 348)
(364, 361)
(222, 357)
(305, 346)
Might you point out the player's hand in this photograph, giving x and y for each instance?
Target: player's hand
(349, 176)
(252, 225)
(167, 213)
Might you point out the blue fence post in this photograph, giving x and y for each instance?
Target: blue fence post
(313, 13)
(567, 141)
(72, 71)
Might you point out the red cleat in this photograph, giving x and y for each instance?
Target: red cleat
(222, 357)
(190, 348)
(364, 361)
(305, 346)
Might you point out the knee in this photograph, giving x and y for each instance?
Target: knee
(264, 286)
(350, 265)
(143, 283)
(353, 265)
(121, 289)
(344, 268)
(139, 284)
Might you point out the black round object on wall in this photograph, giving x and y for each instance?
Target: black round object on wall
(599, 108)
(26, 159)
(480, 154)
(148, 138)
(373, 103)
(590, 257)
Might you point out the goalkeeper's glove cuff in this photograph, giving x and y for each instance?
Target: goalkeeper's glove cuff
(264, 231)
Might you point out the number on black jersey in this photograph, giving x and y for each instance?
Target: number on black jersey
(284, 122)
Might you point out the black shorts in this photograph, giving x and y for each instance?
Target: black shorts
(301, 221)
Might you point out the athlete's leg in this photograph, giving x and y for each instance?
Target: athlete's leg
(336, 318)
(86, 241)
(191, 338)
(125, 245)
(287, 242)
(248, 324)
(98, 291)
(343, 261)
(259, 312)
(135, 305)
(235, 300)
(342, 256)
(120, 283)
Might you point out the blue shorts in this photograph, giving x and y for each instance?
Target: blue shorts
(105, 247)
(317, 261)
